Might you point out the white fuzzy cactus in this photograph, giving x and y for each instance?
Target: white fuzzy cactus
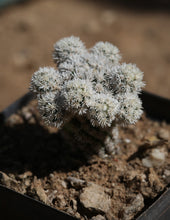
(88, 83)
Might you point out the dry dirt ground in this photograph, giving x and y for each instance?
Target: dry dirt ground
(28, 32)
(123, 184)
(68, 173)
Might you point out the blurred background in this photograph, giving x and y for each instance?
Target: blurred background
(28, 30)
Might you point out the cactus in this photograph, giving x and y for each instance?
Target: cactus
(89, 93)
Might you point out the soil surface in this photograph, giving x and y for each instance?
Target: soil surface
(29, 30)
(36, 161)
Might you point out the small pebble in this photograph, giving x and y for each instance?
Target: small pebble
(94, 199)
(163, 134)
(98, 217)
(74, 204)
(136, 205)
(127, 141)
(75, 182)
(155, 159)
(25, 175)
(158, 154)
(64, 184)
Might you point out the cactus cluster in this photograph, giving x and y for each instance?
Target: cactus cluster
(90, 83)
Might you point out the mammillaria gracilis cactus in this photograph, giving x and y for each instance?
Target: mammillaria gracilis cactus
(90, 87)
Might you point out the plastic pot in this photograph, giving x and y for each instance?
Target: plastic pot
(14, 205)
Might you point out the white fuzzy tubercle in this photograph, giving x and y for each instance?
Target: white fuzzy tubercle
(90, 82)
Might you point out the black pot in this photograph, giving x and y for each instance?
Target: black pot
(14, 205)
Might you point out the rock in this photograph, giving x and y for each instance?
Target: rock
(154, 181)
(167, 176)
(98, 217)
(7, 180)
(10, 182)
(152, 140)
(75, 182)
(130, 175)
(70, 211)
(27, 182)
(37, 185)
(155, 159)
(147, 162)
(25, 175)
(158, 155)
(73, 203)
(167, 172)
(135, 206)
(95, 199)
(52, 196)
(61, 201)
(127, 141)
(77, 215)
(163, 134)
(64, 184)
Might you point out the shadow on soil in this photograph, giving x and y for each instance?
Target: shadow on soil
(31, 147)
